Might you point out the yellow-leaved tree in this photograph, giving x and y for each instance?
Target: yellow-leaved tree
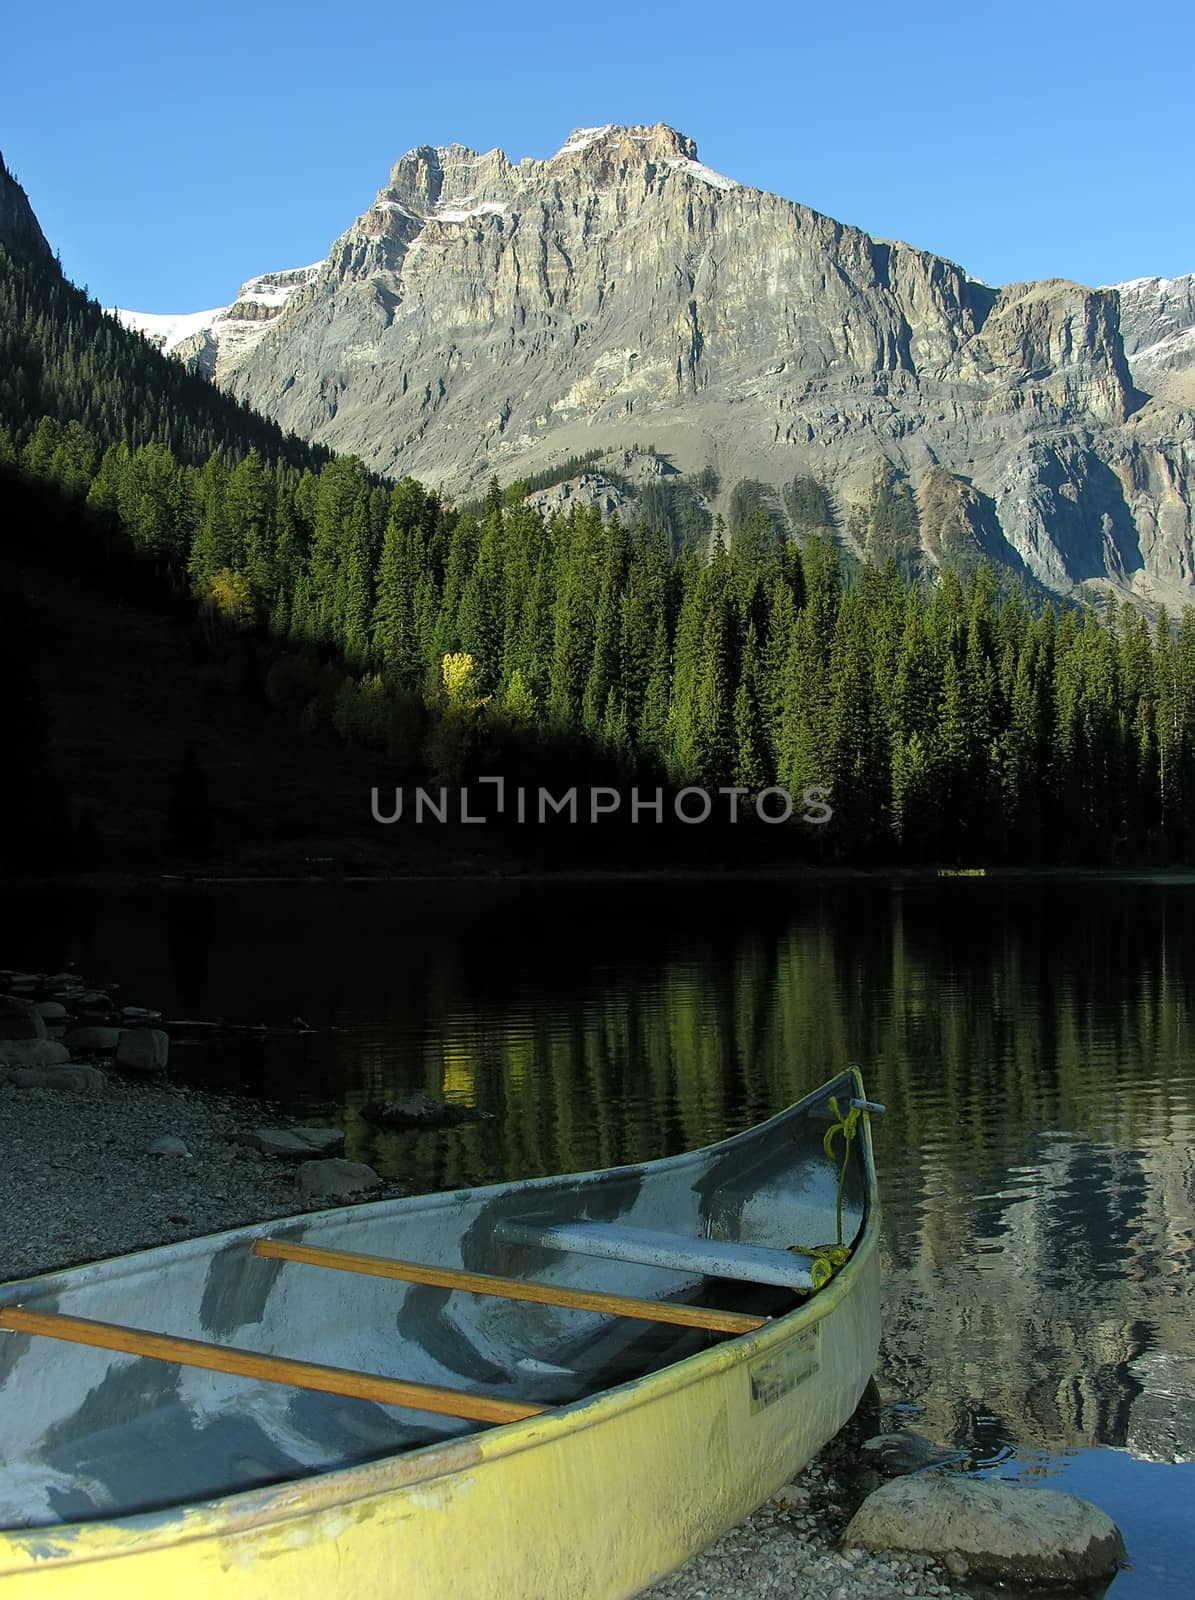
(230, 595)
(457, 676)
(454, 734)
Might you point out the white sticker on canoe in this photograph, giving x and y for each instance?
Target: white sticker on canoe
(780, 1371)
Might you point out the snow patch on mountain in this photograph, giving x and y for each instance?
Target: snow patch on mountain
(1157, 322)
(698, 169)
(213, 339)
(581, 139)
(453, 211)
(165, 329)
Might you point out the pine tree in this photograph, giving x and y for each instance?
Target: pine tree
(354, 598)
(481, 625)
(752, 755)
(394, 633)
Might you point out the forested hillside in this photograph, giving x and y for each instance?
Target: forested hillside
(62, 357)
(949, 726)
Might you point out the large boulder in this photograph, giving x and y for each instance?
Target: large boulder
(20, 1019)
(98, 1041)
(78, 1079)
(142, 1050)
(327, 1180)
(32, 1053)
(999, 1532)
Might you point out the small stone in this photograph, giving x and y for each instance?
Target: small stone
(954, 1564)
(168, 1145)
(330, 1179)
(791, 1494)
(142, 1050)
(50, 1010)
(141, 1013)
(908, 1452)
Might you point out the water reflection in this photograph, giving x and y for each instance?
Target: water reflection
(1032, 1040)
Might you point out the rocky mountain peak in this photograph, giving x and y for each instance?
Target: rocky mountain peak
(431, 176)
(485, 316)
(615, 143)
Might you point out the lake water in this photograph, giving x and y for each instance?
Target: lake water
(1033, 1040)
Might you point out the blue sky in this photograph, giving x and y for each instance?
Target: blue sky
(172, 150)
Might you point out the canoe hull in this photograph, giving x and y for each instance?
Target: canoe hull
(594, 1499)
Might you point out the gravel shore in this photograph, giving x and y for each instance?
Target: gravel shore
(79, 1183)
(789, 1549)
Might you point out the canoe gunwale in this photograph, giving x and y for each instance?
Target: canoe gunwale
(53, 1546)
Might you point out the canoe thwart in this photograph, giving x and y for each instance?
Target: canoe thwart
(274, 1369)
(618, 1305)
(677, 1252)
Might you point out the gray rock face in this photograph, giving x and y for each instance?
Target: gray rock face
(335, 1178)
(485, 317)
(1000, 1532)
(1157, 322)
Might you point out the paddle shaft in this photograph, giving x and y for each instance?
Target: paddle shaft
(273, 1369)
(550, 1294)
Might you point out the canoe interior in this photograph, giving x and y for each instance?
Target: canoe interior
(85, 1433)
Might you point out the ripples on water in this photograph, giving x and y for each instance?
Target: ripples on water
(1032, 1040)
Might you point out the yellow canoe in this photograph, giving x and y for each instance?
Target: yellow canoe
(169, 1462)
